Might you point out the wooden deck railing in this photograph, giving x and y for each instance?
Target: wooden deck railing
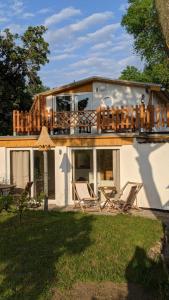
(133, 118)
(115, 119)
(32, 122)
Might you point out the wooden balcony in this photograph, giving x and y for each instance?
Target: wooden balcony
(115, 119)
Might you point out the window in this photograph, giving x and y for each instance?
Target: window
(39, 173)
(100, 169)
(83, 165)
(63, 103)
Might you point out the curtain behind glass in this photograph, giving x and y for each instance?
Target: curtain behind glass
(20, 173)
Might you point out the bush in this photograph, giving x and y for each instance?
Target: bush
(6, 202)
(24, 202)
(37, 201)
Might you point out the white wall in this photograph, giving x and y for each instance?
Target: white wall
(2, 163)
(121, 95)
(146, 163)
(149, 164)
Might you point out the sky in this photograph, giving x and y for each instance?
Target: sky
(85, 37)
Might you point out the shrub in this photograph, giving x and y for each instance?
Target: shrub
(5, 202)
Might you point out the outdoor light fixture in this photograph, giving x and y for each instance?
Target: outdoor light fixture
(142, 98)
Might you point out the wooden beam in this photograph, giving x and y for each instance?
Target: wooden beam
(75, 141)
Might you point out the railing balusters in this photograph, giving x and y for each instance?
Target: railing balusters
(117, 119)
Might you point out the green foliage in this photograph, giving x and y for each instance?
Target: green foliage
(20, 60)
(141, 20)
(22, 204)
(37, 201)
(6, 202)
(25, 202)
(157, 73)
(132, 73)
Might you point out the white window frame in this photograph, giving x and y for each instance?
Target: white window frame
(94, 165)
(8, 164)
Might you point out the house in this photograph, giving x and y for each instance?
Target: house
(105, 131)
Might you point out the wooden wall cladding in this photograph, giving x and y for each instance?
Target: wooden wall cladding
(87, 88)
(69, 141)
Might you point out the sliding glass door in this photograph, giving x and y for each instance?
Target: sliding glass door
(100, 167)
(39, 173)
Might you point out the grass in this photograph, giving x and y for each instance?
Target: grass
(56, 250)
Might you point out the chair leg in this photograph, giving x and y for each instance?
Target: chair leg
(81, 206)
(99, 206)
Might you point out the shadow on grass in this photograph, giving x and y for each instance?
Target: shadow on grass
(150, 273)
(29, 253)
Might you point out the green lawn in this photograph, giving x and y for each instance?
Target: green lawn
(59, 249)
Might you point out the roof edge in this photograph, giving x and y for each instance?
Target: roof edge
(99, 78)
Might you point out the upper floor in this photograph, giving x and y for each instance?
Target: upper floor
(96, 105)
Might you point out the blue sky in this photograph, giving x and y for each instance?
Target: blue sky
(85, 37)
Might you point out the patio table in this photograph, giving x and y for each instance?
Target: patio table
(111, 190)
(6, 188)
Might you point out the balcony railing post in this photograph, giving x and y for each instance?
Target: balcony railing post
(167, 108)
(14, 122)
(142, 118)
(51, 122)
(98, 119)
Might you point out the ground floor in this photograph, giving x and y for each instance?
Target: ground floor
(100, 165)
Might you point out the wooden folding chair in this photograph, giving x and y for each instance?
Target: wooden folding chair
(18, 192)
(124, 200)
(83, 195)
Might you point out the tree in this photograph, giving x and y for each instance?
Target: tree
(162, 7)
(21, 57)
(132, 73)
(142, 21)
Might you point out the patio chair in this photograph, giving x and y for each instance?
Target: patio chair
(109, 193)
(124, 200)
(19, 192)
(83, 195)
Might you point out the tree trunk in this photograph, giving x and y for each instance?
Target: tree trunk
(163, 12)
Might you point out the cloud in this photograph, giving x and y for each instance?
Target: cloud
(16, 28)
(17, 7)
(92, 20)
(61, 57)
(101, 46)
(62, 15)
(66, 32)
(44, 10)
(89, 66)
(124, 7)
(132, 59)
(3, 19)
(102, 34)
(27, 15)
